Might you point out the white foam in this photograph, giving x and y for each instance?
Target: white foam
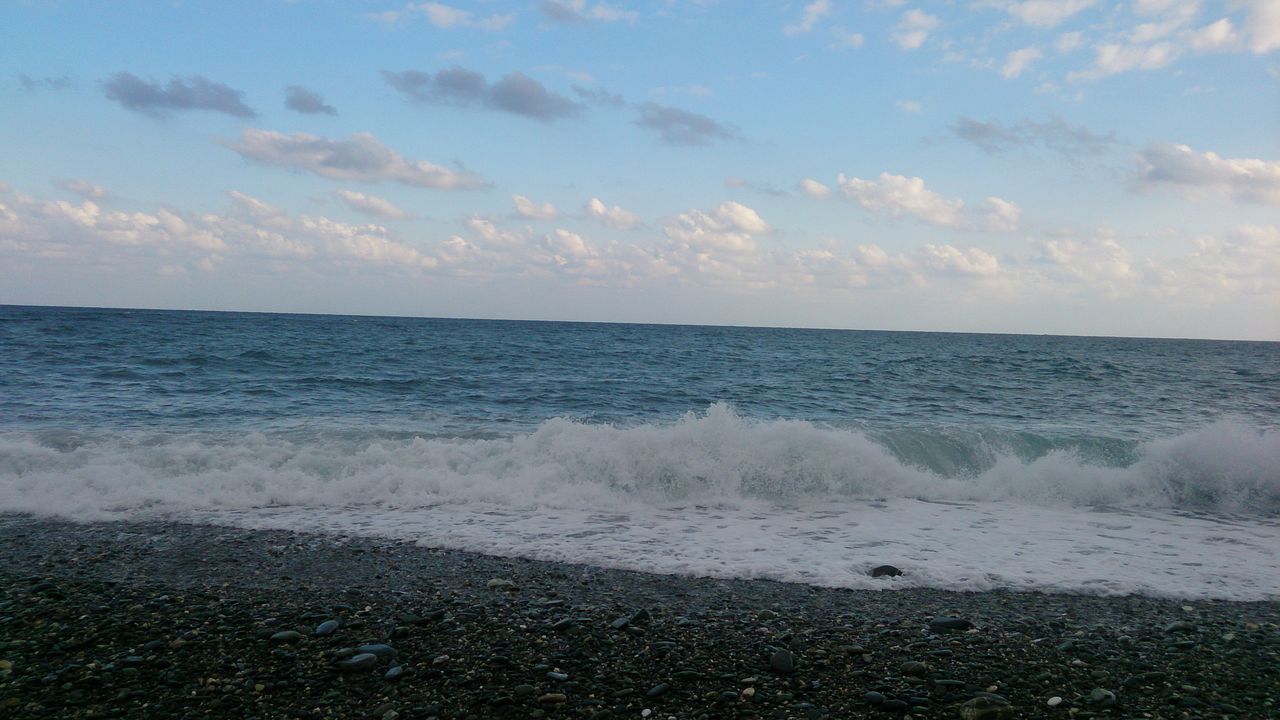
(966, 546)
(712, 494)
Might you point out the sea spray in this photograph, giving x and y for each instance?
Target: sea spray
(716, 457)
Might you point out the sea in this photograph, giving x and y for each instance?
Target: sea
(971, 462)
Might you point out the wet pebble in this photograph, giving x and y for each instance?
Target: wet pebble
(356, 663)
(782, 661)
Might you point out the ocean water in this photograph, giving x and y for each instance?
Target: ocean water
(971, 462)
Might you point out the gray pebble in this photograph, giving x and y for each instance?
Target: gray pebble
(378, 650)
(782, 661)
(356, 663)
(949, 623)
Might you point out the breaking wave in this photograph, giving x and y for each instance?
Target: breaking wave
(717, 458)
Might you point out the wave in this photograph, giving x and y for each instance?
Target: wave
(717, 458)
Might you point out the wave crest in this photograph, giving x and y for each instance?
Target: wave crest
(716, 457)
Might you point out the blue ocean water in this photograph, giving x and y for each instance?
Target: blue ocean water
(519, 437)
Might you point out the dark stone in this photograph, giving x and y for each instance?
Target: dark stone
(1102, 698)
(885, 571)
(949, 623)
(378, 650)
(782, 661)
(874, 698)
(325, 628)
(915, 668)
(356, 663)
(286, 636)
(657, 690)
(986, 707)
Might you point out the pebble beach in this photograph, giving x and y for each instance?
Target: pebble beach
(158, 620)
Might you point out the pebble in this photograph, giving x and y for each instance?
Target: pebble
(914, 668)
(885, 571)
(553, 698)
(379, 650)
(356, 663)
(782, 661)
(558, 676)
(286, 636)
(393, 673)
(524, 690)
(1179, 626)
(500, 584)
(657, 690)
(1054, 701)
(949, 623)
(1102, 697)
(985, 707)
(325, 628)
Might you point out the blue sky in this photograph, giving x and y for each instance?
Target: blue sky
(1041, 166)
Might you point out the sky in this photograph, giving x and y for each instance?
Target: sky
(1037, 166)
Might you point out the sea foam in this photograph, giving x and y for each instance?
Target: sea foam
(715, 458)
(720, 495)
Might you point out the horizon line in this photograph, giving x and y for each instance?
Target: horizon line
(632, 322)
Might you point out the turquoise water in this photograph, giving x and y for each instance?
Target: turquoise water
(940, 399)
(706, 450)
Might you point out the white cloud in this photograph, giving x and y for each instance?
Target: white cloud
(614, 217)
(813, 12)
(911, 106)
(1069, 42)
(842, 38)
(83, 188)
(1047, 13)
(1002, 215)
(898, 195)
(953, 260)
(1099, 262)
(814, 189)
(579, 11)
(1245, 260)
(1263, 25)
(1220, 35)
(370, 204)
(444, 16)
(1018, 61)
(913, 29)
(361, 157)
(727, 228)
(742, 217)
(527, 208)
(448, 17)
(1245, 180)
(1115, 58)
